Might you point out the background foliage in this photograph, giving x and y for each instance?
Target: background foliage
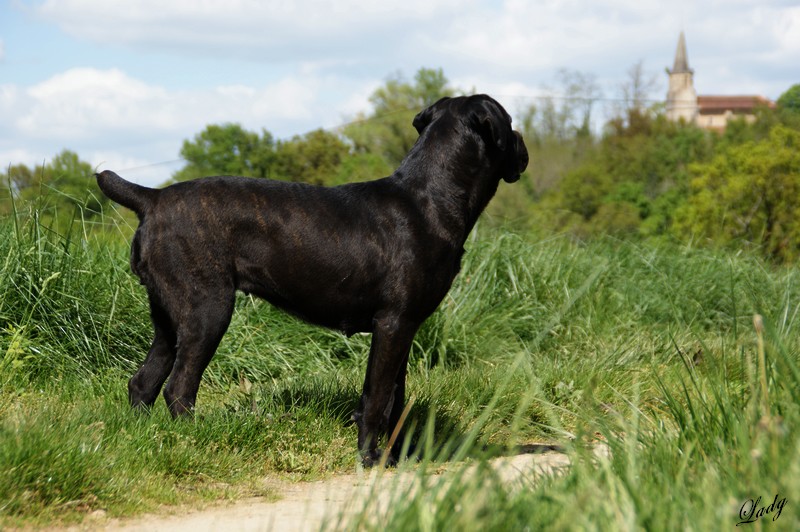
(641, 177)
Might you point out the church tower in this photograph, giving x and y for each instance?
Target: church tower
(681, 96)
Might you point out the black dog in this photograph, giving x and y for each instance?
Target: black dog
(364, 257)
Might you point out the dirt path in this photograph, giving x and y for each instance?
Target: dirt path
(307, 505)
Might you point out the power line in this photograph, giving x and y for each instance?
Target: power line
(144, 166)
(339, 127)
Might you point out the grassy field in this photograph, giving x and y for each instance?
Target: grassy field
(652, 350)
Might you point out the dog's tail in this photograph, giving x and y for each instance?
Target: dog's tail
(135, 197)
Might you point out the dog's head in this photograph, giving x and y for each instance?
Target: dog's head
(492, 124)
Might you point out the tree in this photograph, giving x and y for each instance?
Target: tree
(748, 195)
(564, 115)
(311, 158)
(584, 189)
(16, 178)
(558, 129)
(788, 105)
(74, 179)
(361, 167)
(632, 179)
(636, 90)
(227, 149)
(790, 100)
(62, 189)
(388, 131)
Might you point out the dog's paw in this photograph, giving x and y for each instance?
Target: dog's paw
(374, 458)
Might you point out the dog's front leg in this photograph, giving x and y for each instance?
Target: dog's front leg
(398, 405)
(388, 356)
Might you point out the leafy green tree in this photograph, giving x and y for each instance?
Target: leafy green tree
(748, 194)
(584, 190)
(632, 180)
(311, 158)
(387, 131)
(790, 100)
(74, 178)
(16, 178)
(227, 149)
(361, 167)
(61, 189)
(789, 107)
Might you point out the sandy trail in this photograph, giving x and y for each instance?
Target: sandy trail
(306, 506)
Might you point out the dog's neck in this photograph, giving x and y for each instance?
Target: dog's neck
(461, 198)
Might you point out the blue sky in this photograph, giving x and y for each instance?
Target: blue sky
(123, 83)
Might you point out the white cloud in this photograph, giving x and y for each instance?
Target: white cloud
(317, 62)
(2, 50)
(8, 97)
(76, 103)
(127, 123)
(509, 41)
(274, 30)
(81, 102)
(117, 121)
(12, 156)
(358, 101)
(787, 31)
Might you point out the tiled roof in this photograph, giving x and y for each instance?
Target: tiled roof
(711, 105)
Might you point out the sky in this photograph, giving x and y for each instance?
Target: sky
(124, 83)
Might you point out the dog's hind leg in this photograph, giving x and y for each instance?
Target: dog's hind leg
(144, 386)
(377, 411)
(200, 330)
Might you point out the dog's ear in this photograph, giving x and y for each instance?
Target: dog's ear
(522, 152)
(425, 117)
(522, 158)
(492, 123)
(422, 119)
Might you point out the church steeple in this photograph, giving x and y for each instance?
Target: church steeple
(681, 96)
(681, 65)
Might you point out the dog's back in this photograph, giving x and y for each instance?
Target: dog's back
(330, 255)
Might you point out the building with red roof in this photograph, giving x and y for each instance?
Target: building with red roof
(709, 112)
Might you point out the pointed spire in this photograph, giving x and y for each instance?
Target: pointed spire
(681, 58)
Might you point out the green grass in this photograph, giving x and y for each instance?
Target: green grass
(688, 458)
(650, 349)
